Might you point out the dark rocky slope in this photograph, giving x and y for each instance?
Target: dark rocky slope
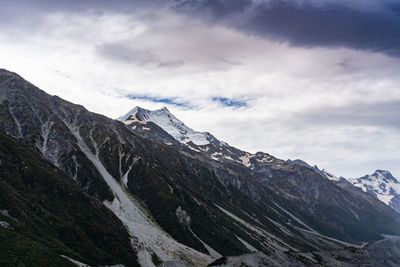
(166, 192)
(45, 214)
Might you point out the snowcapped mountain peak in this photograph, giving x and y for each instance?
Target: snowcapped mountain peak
(169, 123)
(379, 176)
(386, 176)
(132, 112)
(382, 185)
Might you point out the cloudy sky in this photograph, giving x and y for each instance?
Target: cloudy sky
(311, 79)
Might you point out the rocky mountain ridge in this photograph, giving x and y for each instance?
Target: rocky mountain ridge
(186, 202)
(381, 184)
(230, 155)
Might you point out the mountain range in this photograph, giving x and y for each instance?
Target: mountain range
(146, 190)
(381, 184)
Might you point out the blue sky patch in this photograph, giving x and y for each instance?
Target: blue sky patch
(229, 102)
(170, 101)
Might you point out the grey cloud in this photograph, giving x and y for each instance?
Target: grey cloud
(220, 8)
(373, 114)
(124, 53)
(333, 26)
(30, 12)
(367, 25)
(68, 5)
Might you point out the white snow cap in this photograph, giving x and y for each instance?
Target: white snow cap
(169, 123)
(381, 183)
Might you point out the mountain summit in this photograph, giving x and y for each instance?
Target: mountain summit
(169, 123)
(382, 185)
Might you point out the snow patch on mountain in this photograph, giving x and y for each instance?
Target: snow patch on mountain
(169, 123)
(385, 198)
(245, 160)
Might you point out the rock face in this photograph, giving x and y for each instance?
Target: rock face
(186, 202)
(315, 168)
(44, 214)
(382, 185)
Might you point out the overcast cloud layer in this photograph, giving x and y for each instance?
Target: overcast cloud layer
(297, 79)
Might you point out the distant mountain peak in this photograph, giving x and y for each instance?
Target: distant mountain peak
(169, 123)
(385, 175)
(380, 176)
(381, 184)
